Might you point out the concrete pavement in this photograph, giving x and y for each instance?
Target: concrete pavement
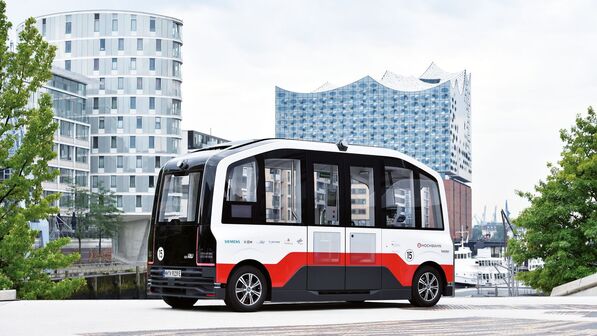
(452, 316)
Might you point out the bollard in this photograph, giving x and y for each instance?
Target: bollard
(137, 282)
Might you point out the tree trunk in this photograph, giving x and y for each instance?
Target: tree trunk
(100, 245)
(79, 239)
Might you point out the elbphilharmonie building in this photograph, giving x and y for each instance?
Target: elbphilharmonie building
(427, 117)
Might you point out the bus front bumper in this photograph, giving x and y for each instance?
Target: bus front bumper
(194, 282)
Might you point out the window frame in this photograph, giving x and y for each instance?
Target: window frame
(258, 209)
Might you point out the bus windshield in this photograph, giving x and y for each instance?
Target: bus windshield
(179, 198)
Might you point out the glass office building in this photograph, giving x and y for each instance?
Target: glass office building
(427, 117)
(134, 105)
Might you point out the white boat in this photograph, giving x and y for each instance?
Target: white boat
(480, 270)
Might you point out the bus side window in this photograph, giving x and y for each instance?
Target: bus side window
(398, 201)
(282, 190)
(325, 178)
(241, 187)
(431, 214)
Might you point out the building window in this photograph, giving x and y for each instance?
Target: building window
(133, 64)
(102, 83)
(152, 103)
(139, 83)
(119, 122)
(94, 142)
(120, 83)
(96, 64)
(158, 123)
(94, 182)
(100, 162)
(152, 64)
(114, 22)
(120, 44)
(175, 69)
(114, 63)
(132, 142)
(131, 181)
(158, 162)
(176, 49)
(152, 24)
(67, 65)
(68, 27)
(81, 155)
(112, 181)
(101, 123)
(66, 152)
(43, 27)
(133, 23)
(139, 44)
(158, 45)
(96, 22)
(139, 122)
(68, 47)
(113, 142)
(138, 203)
(119, 201)
(152, 181)
(133, 103)
(139, 162)
(95, 103)
(151, 142)
(158, 84)
(119, 161)
(102, 46)
(114, 103)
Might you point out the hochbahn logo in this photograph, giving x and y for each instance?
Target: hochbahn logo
(419, 245)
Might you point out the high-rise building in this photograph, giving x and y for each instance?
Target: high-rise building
(192, 140)
(427, 117)
(135, 108)
(71, 141)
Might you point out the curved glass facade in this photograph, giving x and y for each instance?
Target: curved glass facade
(427, 118)
(134, 104)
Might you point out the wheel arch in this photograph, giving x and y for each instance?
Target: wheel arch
(439, 270)
(259, 266)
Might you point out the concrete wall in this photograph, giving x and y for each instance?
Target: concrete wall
(130, 244)
(586, 286)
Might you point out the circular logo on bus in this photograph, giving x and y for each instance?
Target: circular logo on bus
(160, 253)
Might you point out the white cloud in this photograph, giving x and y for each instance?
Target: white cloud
(532, 64)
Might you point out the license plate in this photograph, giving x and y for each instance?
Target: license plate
(172, 273)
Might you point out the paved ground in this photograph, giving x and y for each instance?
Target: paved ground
(452, 316)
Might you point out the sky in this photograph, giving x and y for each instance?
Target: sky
(533, 66)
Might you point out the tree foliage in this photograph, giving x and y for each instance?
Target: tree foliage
(22, 73)
(560, 226)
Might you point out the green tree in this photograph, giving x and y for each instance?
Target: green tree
(79, 204)
(104, 215)
(560, 226)
(22, 73)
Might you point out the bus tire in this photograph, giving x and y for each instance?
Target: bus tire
(179, 303)
(426, 287)
(246, 290)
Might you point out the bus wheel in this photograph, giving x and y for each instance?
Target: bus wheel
(426, 287)
(246, 290)
(179, 303)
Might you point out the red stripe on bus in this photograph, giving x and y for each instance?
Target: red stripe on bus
(281, 272)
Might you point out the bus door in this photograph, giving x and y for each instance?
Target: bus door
(363, 239)
(326, 237)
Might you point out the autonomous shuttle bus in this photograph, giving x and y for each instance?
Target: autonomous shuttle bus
(288, 221)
